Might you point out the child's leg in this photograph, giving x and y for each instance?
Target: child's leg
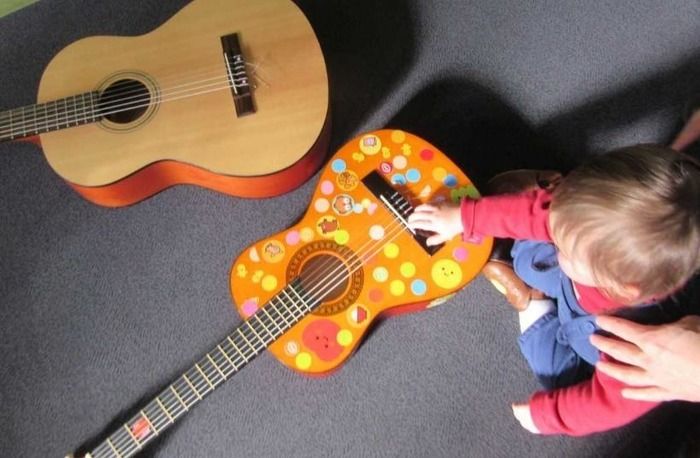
(536, 309)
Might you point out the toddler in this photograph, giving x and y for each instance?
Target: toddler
(621, 231)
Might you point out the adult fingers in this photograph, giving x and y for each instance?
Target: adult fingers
(647, 393)
(620, 350)
(630, 375)
(627, 330)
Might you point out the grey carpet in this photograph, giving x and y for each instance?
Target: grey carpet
(101, 308)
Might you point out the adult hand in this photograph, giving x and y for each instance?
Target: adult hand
(660, 363)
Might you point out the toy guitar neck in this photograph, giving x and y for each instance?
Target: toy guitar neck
(310, 293)
(289, 306)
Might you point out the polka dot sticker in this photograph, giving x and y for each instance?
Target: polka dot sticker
(391, 250)
(418, 287)
(398, 179)
(292, 237)
(407, 269)
(397, 288)
(439, 174)
(376, 295)
(303, 360)
(306, 234)
(380, 274)
(357, 208)
(327, 187)
(460, 254)
(249, 306)
(291, 348)
(427, 154)
(413, 175)
(398, 136)
(341, 237)
(385, 168)
(322, 205)
(376, 232)
(269, 282)
(399, 162)
(344, 337)
(253, 255)
(450, 181)
(338, 166)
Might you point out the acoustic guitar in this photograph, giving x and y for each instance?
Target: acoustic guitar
(231, 95)
(310, 293)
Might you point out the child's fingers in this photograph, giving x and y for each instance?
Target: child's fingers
(425, 208)
(436, 239)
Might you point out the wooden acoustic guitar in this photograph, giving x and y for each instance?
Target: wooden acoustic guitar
(310, 293)
(231, 95)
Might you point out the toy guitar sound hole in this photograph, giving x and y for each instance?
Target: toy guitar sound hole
(329, 274)
(324, 277)
(124, 101)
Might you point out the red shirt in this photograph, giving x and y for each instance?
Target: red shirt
(592, 405)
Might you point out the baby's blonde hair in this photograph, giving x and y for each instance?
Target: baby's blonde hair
(636, 212)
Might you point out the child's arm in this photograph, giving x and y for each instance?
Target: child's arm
(590, 406)
(516, 216)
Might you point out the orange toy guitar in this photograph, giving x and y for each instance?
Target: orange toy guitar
(310, 293)
(194, 101)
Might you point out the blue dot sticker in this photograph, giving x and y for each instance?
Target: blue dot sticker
(413, 175)
(450, 181)
(338, 166)
(418, 287)
(398, 179)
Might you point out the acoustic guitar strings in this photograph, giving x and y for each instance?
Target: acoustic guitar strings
(132, 100)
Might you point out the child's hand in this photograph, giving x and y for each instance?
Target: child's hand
(444, 220)
(522, 413)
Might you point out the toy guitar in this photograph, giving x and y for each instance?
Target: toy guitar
(222, 81)
(310, 293)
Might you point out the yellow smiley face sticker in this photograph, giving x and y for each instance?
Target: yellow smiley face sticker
(446, 273)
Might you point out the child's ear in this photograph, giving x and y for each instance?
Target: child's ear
(630, 291)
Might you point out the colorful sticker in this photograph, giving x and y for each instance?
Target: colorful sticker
(343, 204)
(273, 251)
(370, 144)
(327, 226)
(446, 273)
(321, 337)
(348, 180)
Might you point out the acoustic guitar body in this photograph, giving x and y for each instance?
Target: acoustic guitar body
(184, 127)
(351, 259)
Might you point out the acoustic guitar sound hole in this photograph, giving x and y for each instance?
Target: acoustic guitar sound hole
(124, 101)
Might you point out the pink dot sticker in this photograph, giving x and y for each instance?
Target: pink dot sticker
(293, 237)
(249, 307)
(327, 187)
(460, 254)
(426, 154)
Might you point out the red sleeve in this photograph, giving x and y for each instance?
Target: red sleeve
(515, 216)
(591, 406)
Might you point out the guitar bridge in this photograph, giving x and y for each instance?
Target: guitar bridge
(399, 206)
(237, 75)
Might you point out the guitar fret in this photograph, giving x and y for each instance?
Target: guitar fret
(187, 380)
(114, 449)
(211, 385)
(265, 327)
(272, 320)
(133, 438)
(252, 328)
(165, 411)
(308, 307)
(227, 357)
(22, 124)
(216, 366)
(289, 325)
(150, 423)
(172, 388)
(246, 340)
(235, 347)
